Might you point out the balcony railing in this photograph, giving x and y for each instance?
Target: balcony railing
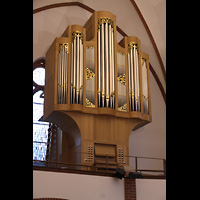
(135, 161)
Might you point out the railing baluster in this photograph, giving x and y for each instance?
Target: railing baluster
(164, 166)
(106, 163)
(135, 163)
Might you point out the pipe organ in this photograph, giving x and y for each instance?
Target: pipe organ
(97, 91)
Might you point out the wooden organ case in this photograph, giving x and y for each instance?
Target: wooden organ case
(97, 91)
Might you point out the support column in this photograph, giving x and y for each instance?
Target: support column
(130, 189)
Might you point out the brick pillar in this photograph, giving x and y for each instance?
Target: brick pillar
(130, 189)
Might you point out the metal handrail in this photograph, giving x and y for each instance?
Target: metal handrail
(89, 167)
(71, 164)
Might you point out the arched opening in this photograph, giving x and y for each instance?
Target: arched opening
(68, 140)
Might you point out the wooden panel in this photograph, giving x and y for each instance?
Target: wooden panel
(50, 62)
(88, 130)
(102, 128)
(88, 152)
(105, 149)
(90, 26)
(122, 153)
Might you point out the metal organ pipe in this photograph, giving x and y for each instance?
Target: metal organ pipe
(138, 82)
(145, 86)
(110, 64)
(102, 65)
(113, 67)
(77, 69)
(105, 53)
(106, 59)
(135, 77)
(134, 80)
(99, 68)
(62, 73)
(105, 70)
(129, 78)
(81, 72)
(74, 70)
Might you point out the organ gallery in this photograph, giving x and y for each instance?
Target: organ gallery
(96, 92)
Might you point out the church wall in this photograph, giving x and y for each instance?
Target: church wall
(87, 187)
(76, 186)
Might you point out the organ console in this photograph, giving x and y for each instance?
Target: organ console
(97, 91)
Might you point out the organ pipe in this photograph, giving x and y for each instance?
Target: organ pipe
(110, 65)
(77, 69)
(62, 73)
(134, 79)
(81, 73)
(104, 84)
(105, 63)
(99, 68)
(102, 65)
(145, 86)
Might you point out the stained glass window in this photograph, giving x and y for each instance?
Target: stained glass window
(40, 129)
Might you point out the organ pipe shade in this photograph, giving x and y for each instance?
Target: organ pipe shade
(121, 82)
(90, 77)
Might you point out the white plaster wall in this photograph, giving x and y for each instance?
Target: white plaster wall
(150, 189)
(154, 13)
(76, 186)
(150, 140)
